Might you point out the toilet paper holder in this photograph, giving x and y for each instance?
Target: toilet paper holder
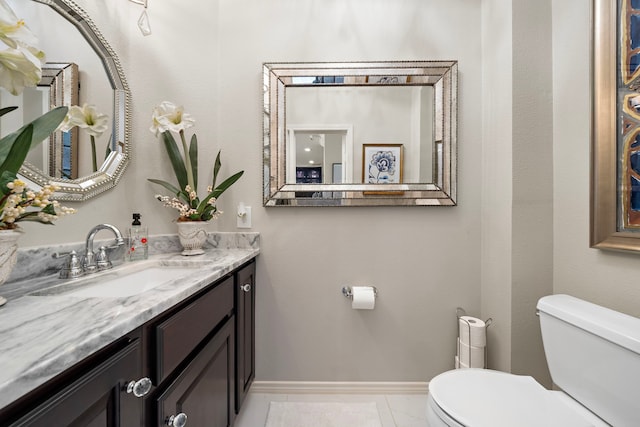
(348, 292)
(460, 312)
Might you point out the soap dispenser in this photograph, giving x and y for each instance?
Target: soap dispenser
(138, 248)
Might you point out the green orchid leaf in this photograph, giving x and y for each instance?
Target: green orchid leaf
(180, 194)
(221, 189)
(6, 110)
(217, 191)
(32, 216)
(172, 188)
(5, 178)
(203, 207)
(206, 215)
(216, 169)
(176, 158)
(193, 155)
(203, 204)
(43, 126)
(18, 152)
(49, 209)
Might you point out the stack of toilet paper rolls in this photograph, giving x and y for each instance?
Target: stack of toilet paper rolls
(472, 342)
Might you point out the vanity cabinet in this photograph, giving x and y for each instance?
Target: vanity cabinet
(94, 394)
(197, 357)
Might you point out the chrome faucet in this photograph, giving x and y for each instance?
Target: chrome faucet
(93, 262)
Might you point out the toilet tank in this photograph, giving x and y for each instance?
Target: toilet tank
(593, 355)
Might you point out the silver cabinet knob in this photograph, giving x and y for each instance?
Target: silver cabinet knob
(246, 287)
(139, 388)
(179, 420)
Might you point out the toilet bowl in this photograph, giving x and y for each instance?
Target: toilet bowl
(593, 355)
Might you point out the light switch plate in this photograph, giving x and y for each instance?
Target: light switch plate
(245, 220)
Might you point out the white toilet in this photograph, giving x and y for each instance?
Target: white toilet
(593, 355)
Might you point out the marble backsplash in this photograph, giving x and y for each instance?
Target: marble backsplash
(37, 261)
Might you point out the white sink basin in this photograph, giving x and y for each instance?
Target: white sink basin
(120, 282)
(132, 284)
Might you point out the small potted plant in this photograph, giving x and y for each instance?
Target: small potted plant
(193, 212)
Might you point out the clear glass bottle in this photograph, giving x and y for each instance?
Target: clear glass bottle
(138, 240)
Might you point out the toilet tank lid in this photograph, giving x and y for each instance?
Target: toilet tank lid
(611, 325)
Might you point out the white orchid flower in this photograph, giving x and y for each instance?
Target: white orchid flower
(169, 117)
(21, 63)
(85, 117)
(19, 69)
(14, 31)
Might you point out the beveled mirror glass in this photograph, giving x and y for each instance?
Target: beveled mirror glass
(360, 133)
(67, 35)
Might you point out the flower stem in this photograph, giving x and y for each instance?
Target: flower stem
(93, 153)
(187, 162)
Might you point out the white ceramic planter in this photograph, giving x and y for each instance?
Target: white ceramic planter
(193, 235)
(8, 255)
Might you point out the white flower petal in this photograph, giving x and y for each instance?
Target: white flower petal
(168, 116)
(19, 69)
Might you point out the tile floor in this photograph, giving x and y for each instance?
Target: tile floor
(396, 410)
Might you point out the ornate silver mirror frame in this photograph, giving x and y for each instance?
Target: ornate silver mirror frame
(279, 78)
(109, 173)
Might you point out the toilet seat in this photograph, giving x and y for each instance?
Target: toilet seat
(482, 397)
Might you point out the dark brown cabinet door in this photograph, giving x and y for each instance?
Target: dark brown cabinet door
(204, 389)
(96, 399)
(245, 331)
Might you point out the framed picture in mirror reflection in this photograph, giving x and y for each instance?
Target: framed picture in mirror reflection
(382, 164)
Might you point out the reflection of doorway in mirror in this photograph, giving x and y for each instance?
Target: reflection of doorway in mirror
(320, 147)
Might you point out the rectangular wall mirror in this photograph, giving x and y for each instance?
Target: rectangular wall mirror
(360, 133)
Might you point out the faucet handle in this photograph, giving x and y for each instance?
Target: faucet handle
(72, 266)
(102, 259)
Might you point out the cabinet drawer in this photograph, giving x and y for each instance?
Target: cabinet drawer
(177, 336)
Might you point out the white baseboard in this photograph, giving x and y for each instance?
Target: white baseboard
(331, 387)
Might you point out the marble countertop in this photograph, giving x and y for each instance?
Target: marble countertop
(41, 336)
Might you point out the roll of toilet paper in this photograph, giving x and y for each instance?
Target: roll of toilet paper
(363, 298)
(470, 356)
(472, 331)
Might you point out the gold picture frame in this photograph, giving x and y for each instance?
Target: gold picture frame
(611, 185)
